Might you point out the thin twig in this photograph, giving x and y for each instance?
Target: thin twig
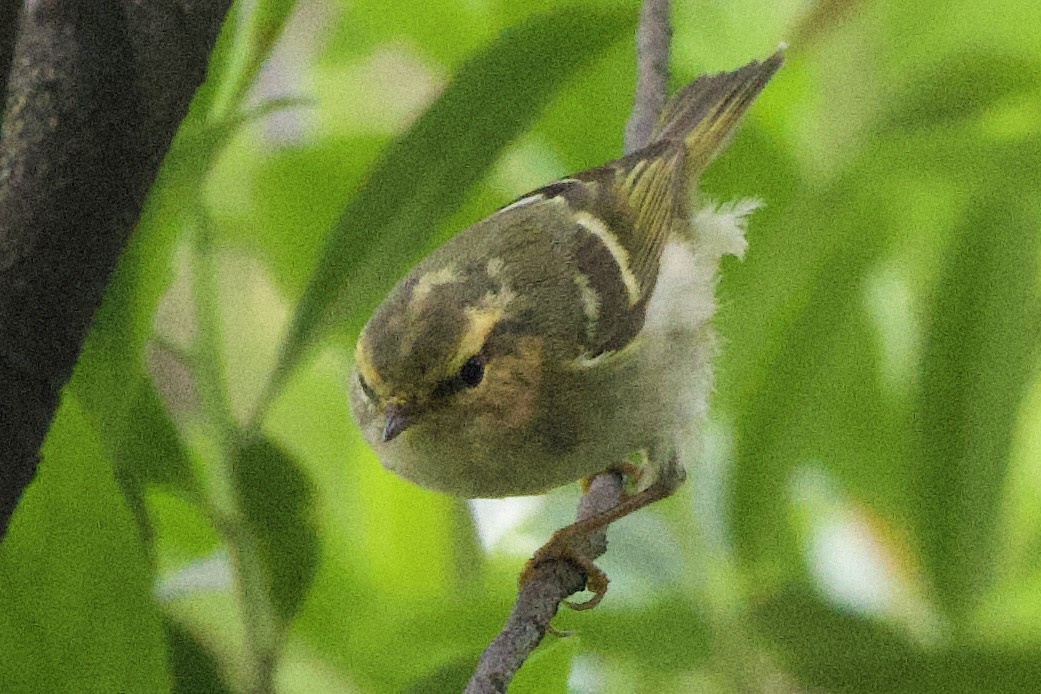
(539, 598)
(652, 64)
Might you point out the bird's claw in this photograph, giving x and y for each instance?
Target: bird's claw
(564, 544)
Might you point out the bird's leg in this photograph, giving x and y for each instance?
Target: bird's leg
(571, 542)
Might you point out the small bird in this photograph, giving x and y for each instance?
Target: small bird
(566, 334)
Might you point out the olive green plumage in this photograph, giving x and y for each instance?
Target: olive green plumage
(519, 356)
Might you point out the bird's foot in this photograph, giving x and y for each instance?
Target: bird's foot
(568, 544)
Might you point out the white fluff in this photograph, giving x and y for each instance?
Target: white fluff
(720, 229)
(678, 327)
(684, 296)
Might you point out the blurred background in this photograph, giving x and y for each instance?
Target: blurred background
(866, 514)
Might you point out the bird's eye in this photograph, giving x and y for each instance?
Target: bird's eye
(472, 372)
(470, 376)
(366, 388)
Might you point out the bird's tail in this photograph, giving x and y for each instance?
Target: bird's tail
(703, 114)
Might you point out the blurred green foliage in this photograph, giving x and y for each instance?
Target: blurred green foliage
(867, 515)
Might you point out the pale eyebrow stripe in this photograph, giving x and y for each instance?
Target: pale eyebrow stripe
(426, 284)
(597, 228)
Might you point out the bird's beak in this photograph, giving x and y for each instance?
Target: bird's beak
(399, 417)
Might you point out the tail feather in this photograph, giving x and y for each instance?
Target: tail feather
(704, 113)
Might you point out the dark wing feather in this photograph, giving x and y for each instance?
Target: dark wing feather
(626, 210)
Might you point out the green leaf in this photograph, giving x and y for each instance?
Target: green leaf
(192, 667)
(962, 87)
(978, 356)
(76, 612)
(423, 177)
(256, 28)
(150, 448)
(276, 497)
(149, 451)
(808, 374)
(837, 651)
(831, 650)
